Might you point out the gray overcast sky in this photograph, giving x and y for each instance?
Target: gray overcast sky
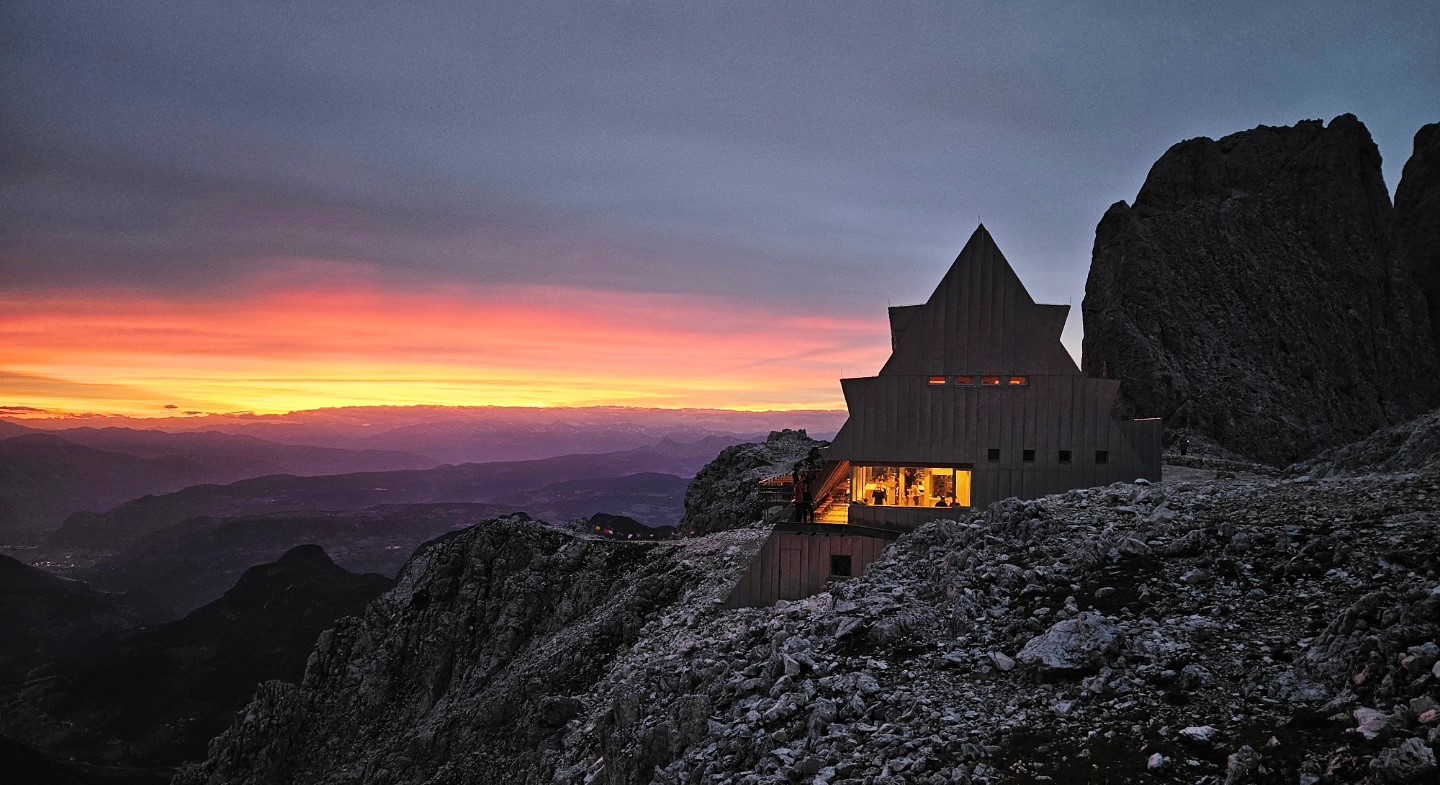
(834, 156)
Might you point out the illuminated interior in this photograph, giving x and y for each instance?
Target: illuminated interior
(909, 486)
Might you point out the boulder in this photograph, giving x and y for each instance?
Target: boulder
(1408, 761)
(1073, 646)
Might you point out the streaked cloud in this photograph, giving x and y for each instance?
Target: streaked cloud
(294, 349)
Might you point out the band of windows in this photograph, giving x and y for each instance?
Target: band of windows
(980, 381)
(1062, 456)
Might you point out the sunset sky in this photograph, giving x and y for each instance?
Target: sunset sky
(211, 207)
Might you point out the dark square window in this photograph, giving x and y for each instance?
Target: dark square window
(1064, 456)
(994, 453)
(1028, 456)
(1102, 456)
(840, 566)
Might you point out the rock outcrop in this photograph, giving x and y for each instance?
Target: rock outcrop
(1411, 446)
(726, 493)
(1417, 215)
(1256, 293)
(1226, 631)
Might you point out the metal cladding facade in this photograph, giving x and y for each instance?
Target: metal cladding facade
(1054, 429)
(796, 562)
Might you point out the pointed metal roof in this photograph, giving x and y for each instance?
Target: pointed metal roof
(979, 320)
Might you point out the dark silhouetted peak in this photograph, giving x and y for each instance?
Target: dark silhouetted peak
(306, 556)
(1417, 215)
(1255, 294)
(298, 578)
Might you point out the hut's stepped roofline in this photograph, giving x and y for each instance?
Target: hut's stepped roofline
(979, 320)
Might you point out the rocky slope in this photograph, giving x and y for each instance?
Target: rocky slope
(726, 492)
(1256, 292)
(154, 696)
(495, 634)
(1417, 215)
(1410, 446)
(1242, 630)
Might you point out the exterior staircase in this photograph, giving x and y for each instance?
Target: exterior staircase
(835, 507)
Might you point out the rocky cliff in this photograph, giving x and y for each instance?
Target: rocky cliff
(726, 493)
(1256, 293)
(1243, 631)
(473, 667)
(1417, 215)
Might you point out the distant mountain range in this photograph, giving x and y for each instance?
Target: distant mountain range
(51, 468)
(473, 434)
(468, 483)
(46, 476)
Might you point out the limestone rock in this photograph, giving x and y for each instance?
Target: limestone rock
(726, 492)
(1409, 446)
(1409, 761)
(1072, 646)
(1255, 294)
(1417, 216)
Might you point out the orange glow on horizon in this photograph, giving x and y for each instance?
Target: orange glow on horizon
(274, 352)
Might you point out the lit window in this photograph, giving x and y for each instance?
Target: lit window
(991, 380)
(994, 454)
(1019, 381)
(1027, 456)
(1102, 456)
(937, 381)
(964, 379)
(909, 486)
(1064, 456)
